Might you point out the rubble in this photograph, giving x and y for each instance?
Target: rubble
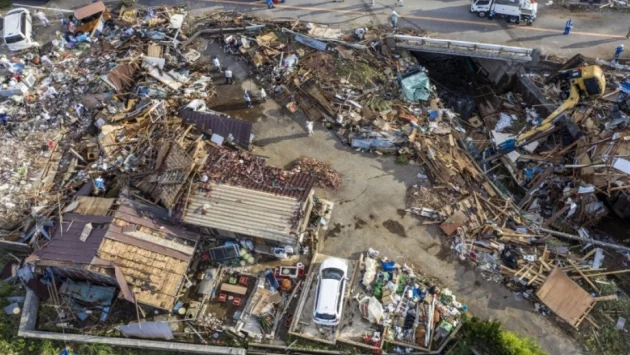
(325, 175)
(111, 140)
(410, 309)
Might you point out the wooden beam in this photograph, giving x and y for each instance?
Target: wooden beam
(584, 276)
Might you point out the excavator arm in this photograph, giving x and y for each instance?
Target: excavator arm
(547, 123)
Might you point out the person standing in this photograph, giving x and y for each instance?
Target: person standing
(263, 94)
(395, 20)
(248, 99)
(618, 52)
(399, 3)
(270, 4)
(373, 3)
(568, 26)
(228, 77)
(309, 128)
(42, 17)
(216, 63)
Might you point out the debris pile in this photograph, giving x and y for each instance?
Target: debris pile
(325, 175)
(416, 312)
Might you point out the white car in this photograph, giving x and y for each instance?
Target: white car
(331, 288)
(18, 30)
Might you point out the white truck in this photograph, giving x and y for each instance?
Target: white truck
(514, 11)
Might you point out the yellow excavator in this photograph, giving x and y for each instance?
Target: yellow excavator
(587, 81)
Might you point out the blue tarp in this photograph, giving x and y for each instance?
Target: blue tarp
(416, 87)
(87, 293)
(388, 265)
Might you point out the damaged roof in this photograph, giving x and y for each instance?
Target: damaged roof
(220, 124)
(244, 211)
(251, 172)
(122, 76)
(151, 252)
(66, 244)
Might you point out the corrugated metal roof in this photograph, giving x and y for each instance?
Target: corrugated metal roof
(251, 172)
(67, 246)
(222, 125)
(243, 211)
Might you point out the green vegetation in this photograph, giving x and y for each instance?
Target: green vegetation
(489, 337)
(10, 344)
(5, 4)
(402, 160)
(608, 340)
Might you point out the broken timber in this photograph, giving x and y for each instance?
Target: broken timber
(583, 239)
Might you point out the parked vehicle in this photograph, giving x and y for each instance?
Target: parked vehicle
(18, 30)
(514, 11)
(331, 288)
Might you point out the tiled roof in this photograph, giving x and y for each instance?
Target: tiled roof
(237, 168)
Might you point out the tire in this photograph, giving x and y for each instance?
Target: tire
(482, 14)
(512, 19)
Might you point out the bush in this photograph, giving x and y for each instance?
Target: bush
(11, 344)
(5, 4)
(402, 160)
(488, 337)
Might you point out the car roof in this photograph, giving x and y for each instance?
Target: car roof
(327, 299)
(12, 22)
(335, 263)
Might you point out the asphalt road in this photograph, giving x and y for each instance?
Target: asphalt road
(595, 34)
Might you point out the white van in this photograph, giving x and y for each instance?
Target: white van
(331, 288)
(18, 30)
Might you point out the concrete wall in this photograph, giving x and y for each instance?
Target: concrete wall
(29, 320)
(501, 73)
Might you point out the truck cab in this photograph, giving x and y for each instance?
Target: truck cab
(481, 7)
(18, 30)
(514, 11)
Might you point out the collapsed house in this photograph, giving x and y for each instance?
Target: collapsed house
(240, 197)
(120, 243)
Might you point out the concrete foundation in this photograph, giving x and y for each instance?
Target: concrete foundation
(29, 320)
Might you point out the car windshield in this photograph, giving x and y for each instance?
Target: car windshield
(332, 273)
(13, 39)
(325, 316)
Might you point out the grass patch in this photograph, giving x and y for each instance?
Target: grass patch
(488, 337)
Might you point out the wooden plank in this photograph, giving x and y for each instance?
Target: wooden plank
(239, 290)
(565, 298)
(584, 276)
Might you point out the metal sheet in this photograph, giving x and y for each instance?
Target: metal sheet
(220, 124)
(313, 43)
(147, 330)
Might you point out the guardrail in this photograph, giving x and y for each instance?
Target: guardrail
(461, 48)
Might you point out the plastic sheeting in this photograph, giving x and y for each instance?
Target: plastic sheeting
(416, 87)
(147, 330)
(372, 310)
(370, 271)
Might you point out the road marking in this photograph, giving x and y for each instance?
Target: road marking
(436, 19)
(592, 34)
(354, 12)
(43, 8)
